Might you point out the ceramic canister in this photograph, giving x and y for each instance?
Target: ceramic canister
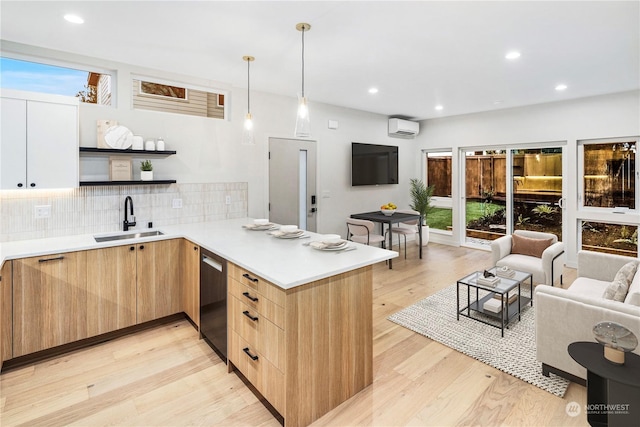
(138, 143)
(150, 145)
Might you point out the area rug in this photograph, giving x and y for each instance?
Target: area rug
(515, 354)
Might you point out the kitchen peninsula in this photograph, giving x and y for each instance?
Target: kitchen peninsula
(315, 308)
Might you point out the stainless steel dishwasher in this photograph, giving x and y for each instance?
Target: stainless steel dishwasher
(213, 302)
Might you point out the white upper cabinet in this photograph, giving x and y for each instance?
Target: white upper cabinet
(39, 141)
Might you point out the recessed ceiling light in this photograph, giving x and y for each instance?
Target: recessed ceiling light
(74, 18)
(561, 87)
(497, 102)
(373, 90)
(512, 55)
(439, 107)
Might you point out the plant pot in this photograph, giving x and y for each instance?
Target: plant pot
(425, 236)
(146, 175)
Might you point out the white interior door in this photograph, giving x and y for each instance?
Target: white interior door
(292, 182)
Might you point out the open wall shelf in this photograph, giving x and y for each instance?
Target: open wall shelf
(92, 151)
(155, 182)
(106, 152)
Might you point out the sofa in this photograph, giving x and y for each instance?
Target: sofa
(545, 267)
(568, 315)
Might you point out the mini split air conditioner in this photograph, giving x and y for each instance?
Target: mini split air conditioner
(399, 127)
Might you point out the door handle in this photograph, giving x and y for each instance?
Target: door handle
(313, 199)
(561, 202)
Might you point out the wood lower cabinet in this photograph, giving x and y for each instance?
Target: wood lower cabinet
(6, 313)
(158, 290)
(190, 278)
(49, 301)
(311, 347)
(111, 289)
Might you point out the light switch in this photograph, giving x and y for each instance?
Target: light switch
(176, 203)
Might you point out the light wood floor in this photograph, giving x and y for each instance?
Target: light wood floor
(167, 377)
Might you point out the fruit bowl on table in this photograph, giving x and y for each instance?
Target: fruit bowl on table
(388, 212)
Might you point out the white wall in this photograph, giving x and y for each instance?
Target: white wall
(209, 150)
(567, 122)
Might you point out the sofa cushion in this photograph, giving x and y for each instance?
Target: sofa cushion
(617, 290)
(633, 296)
(526, 263)
(528, 246)
(588, 287)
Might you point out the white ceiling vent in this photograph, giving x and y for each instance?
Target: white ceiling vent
(406, 128)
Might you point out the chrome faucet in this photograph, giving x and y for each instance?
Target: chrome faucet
(126, 223)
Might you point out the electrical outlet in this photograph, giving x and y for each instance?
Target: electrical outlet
(43, 211)
(227, 200)
(176, 203)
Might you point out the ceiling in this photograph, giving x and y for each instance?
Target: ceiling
(419, 54)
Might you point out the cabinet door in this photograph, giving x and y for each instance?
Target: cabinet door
(13, 144)
(49, 301)
(52, 145)
(158, 279)
(111, 289)
(6, 338)
(190, 278)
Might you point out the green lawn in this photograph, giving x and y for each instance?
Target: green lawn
(440, 218)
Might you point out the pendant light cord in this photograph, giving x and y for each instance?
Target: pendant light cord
(248, 89)
(303, 61)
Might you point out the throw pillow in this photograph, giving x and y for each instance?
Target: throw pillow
(633, 294)
(618, 289)
(528, 246)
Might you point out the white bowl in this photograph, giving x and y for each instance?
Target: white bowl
(388, 212)
(288, 228)
(261, 221)
(331, 238)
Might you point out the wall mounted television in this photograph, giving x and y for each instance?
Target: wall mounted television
(373, 164)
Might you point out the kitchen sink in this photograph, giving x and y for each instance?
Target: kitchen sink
(127, 236)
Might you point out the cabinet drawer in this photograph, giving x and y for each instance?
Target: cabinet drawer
(257, 301)
(256, 368)
(262, 335)
(266, 288)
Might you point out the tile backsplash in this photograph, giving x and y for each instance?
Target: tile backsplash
(88, 210)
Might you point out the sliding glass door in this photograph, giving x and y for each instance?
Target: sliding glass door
(485, 195)
(537, 190)
(511, 189)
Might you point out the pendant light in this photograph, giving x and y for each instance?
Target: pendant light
(302, 119)
(247, 130)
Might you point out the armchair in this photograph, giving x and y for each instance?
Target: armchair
(546, 269)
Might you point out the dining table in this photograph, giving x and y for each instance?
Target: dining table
(395, 218)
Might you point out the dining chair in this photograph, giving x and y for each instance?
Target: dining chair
(360, 230)
(405, 228)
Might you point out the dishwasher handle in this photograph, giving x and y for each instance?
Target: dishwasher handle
(211, 262)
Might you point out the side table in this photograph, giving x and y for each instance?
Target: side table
(613, 391)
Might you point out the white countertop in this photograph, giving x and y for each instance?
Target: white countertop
(284, 262)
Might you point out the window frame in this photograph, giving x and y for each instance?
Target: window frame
(580, 178)
(74, 66)
(186, 86)
(440, 201)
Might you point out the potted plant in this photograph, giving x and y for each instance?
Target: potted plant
(146, 169)
(421, 202)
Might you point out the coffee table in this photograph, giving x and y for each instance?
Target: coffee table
(484, 293)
